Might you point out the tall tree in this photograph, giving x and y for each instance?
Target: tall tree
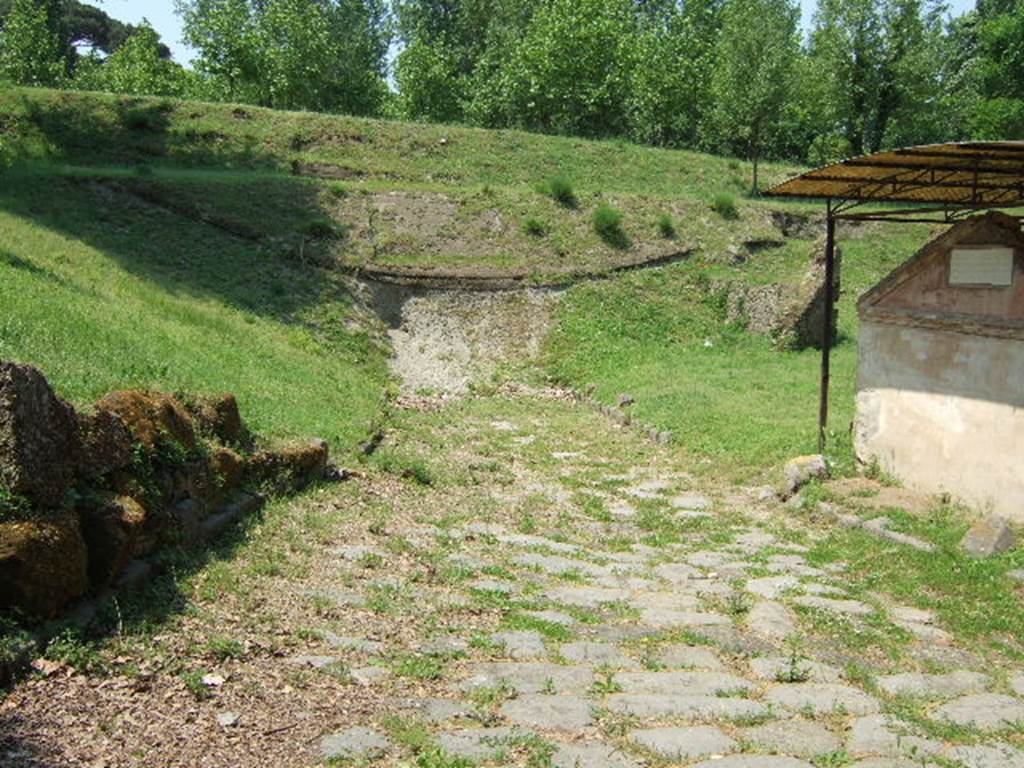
(325, 55)
(137, 66)
(30, 47)
(753, 75)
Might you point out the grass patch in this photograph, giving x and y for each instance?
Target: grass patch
(608, 225)
(560, 189)
(666, 226)
(535, 227)
(725, 206)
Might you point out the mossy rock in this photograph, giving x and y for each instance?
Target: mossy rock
(42, 563)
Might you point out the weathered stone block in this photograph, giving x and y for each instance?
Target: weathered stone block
(104, 444)
(151, 417)
(37, 437)
(989, 536)
(111, 528)
(801, 470)
(42, 563)
(219, 416)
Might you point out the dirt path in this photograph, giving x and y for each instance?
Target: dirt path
(560, 593)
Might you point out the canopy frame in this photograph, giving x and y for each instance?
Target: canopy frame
(942, 183)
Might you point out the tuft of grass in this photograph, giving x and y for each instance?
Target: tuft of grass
(724, 205)
(323, 229)
(666, 226)
(608, 225)
(225, 648)
(560, 189)
(535, 227)
(407, 467)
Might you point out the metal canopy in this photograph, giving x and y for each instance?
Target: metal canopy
(978, 174)
(944, 182)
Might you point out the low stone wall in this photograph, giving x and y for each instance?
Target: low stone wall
(83, 493)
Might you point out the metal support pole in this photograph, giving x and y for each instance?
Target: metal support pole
(826, 336)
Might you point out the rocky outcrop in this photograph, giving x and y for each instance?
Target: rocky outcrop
(83, 494)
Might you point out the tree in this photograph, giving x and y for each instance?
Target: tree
(669, 94)
(569, 73)
(30, 50)
(753, 76)
(137, 66)
(325, 55)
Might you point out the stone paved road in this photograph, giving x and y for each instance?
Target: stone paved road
(565, 594)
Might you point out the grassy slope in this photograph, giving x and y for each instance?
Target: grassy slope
(101, 295)
(726, 394)
(739, 402)
(422, 195)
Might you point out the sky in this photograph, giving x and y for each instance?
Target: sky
(164, 20)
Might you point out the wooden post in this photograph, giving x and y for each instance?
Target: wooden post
(826, 336)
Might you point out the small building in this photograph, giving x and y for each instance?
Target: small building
(940, 390)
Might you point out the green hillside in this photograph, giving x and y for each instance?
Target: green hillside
(154, 242)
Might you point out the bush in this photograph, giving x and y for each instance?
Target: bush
(560, 188)
(535, 227)
(666, 226)
(608, 224)
(725, 206)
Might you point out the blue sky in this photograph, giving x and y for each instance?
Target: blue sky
(161, 15)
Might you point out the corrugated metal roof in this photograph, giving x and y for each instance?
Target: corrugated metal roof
(977, 173)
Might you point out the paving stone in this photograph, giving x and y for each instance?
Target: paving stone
(772, 620)
(779, 668)
(983, 710)
(308, 660)
(477, 743)
(846, 607)
(617, 633)
(738, 642)
(821, 698)
(708, 559)
(703, 683)
(815, 588)
(880, 527)
(558, 565)
(436, 710)
(678, 573)
(885, 762)
(369, 675)
(597, 654)
(693, 502)
(772, 587)
(494, 585)
(529, 677)
(684, 743)
(448, 645)
(521, 644)
(679, 655)
(663, 618)
(1017, 684)
(649, 489)
(800, 738)
(754, 540)
(591, 754)
(532, 540)
(555, 713)
(933, 686)
(678, 600)
(1017, 575)
(587, 597)
(355, 744)
(348, 643)
(553, 617)
(684, 705)
(926, 632)
(621, 510)
(754, 761)
(987, 756)
(889, 737)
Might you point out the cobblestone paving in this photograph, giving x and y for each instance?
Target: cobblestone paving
(629, 652)
(565, 594)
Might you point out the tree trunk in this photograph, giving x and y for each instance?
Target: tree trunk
(754, 191)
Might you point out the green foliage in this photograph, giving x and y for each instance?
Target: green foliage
(137, 67)
(30, 51)
(725, 206)
(666, 226)
(752, 76)
(405, 466)
(12, 504)
(560, 189)
(608, 225)
(535, 227)
(291, 54)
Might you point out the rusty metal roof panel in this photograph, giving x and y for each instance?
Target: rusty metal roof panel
(988, 173)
